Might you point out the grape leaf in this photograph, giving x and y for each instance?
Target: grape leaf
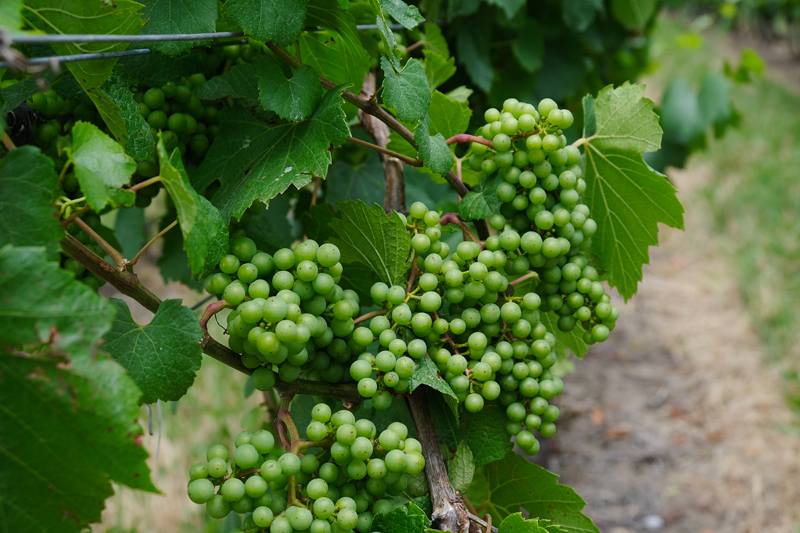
(484, 432)
(254, 160)
(153, 70)
(515, 483)
(388, 38)
(82, 419)
(138, 140)
(101, 166)
(579, 14)
(336, 53)
(178, 16)
(129, 230)
(77, 16)
(10, 15)
(408, 91)
(25, 88)
(473, 45)
(438, 68)
(510, 7)
(173, 264)
(27, 216)
(529, 46)
(426, 373)
(461, 468)
(367, 235)
(43, 303)
(271, 228)
(362, 181)
(239, 82)
(516, 523)
(433, 40)
(205, 232)
(410, 519)
(681, 114)
(267, 20)
(406, 15)
(433, 149)
(161, 357)
(293, 99)
(476, 205)
(633, 14)
(572, 340)
(715, 101)
(626, 197)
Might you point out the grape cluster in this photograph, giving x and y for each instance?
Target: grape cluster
(337, 486)
(290, 315)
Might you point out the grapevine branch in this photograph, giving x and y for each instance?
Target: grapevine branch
(128, 284)
(383, 151)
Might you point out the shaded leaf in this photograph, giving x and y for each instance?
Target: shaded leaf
(438, 68)
(27, 214)
(82, 419)
(205, 232)
(161, 357)
(509, 7)
(268, 228)
(239, 82)
(426, 373)
(406, 15)
(363, 181)
(42, 303)
(714, 99)
(178, 16)
(267, 20)
(572, 340)
(473, 45)
(529, 46)
(129, 230)
(367, 235)
(461, 468)
(10, 15)
(579, 14)
(138, 140)
(433, 149)
(254, 160)
(101, 166)
(681, 113)
(293, 99)
(433, 40)
(633, 14)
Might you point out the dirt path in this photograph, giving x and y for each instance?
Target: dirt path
(675, 422)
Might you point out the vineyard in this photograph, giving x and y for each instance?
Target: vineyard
(396, 254)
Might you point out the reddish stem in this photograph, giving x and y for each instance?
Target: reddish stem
(467, 138)
(529, 275)
(211, 310)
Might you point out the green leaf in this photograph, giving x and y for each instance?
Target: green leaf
(426, 373)
(484, 432)
(27, 216)
(154, 70)
(580, 14)
(10, 15)
(254, 160)
(408, 91)
(476, 205)
(138, 140)
(461, 468)
(715, 100)
(438, 68)
(633, 14)
(409, 519)
(41, 303)
(60, 424)
(336, 53)
(271, 228)
(24, 89)
(406, 15)
(267, 20)
(178, 16)
(515, 523)
(473, 45)
(681, 113)
(363, 181)
(626, 197)
(433, 149)
(514, 482)
(161, 357)
(510, 7)
(173, 263)
(239, 82)
(293, 99)
(367, 235)
(529, 46)
(433, 40)
(101, 166)
(129, 229)
(205, 231)
(572, 340)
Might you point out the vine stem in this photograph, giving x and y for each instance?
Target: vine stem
(128, 284)
(414, 271)
(448, 511)
(110, 250)
(211, 310)
(9, 144)
(145, 183)
(467, 138)
(80, 212)
(453, 218)
(317, 182)
(371, 314)
(151, 241)
(527, 276)
(405, 159)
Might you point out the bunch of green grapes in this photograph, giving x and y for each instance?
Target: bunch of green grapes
(290, 315)
(545, 227)
(337, 486)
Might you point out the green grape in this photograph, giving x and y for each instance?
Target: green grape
(246, 456)
(217, 507)
(200, 491)
(262, 516)
(154, 98)
(232, 490)
(474, 403)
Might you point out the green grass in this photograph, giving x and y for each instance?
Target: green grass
(754, 190)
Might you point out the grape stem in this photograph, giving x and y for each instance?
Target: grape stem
(243, 473)
(80, 212)
(9, 144)
(212, 309)
(317, 182)
(110, 250)
(414, 270)
(405, 159)
(144, 183)
(371, 314)
(128, 284)
(447, 335)
(527, 276)
(151, 241)
(484, 523)
(467, 138)
(453, 218)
